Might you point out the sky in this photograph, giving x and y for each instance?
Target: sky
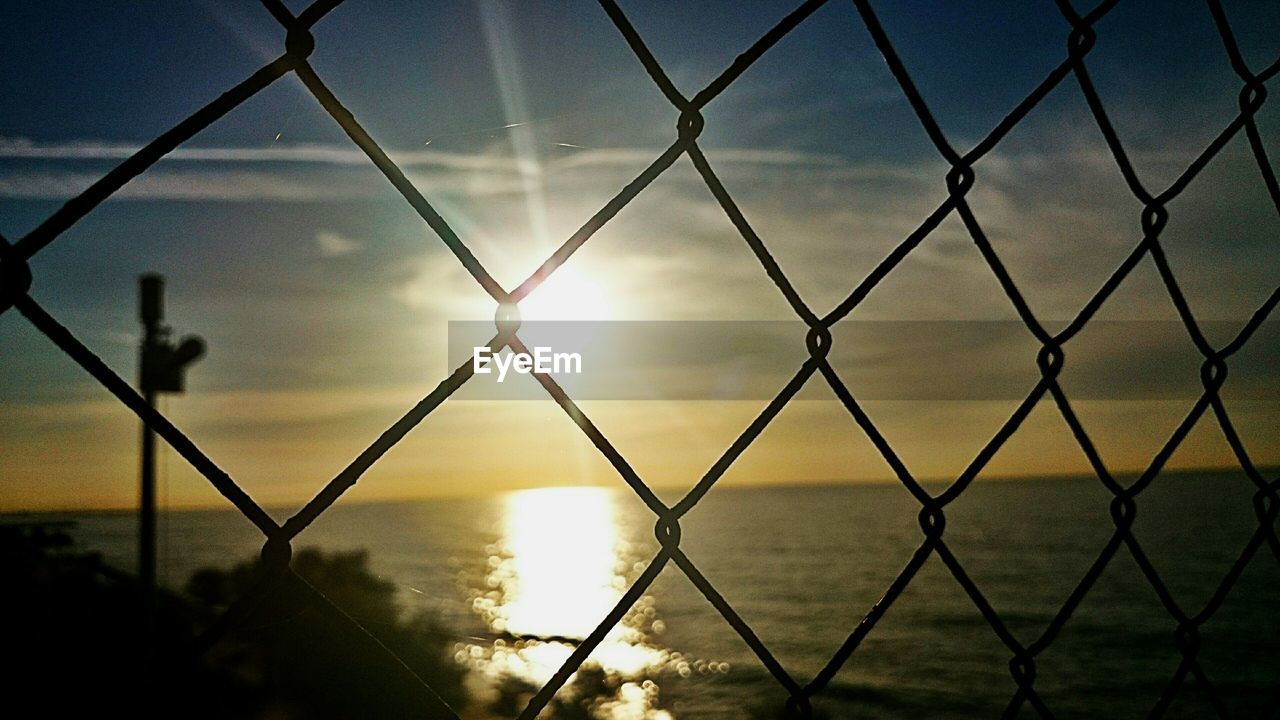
(325, 300)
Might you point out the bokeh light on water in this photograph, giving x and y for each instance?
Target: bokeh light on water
(561, 564)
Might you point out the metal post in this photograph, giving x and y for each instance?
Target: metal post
(161, 366)
(151, 312)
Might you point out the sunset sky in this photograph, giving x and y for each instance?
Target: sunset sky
(325, 299)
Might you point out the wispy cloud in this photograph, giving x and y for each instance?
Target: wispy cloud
(25, 149)
(162, 184)
(315, 172)
(22, 148)
(332, 244)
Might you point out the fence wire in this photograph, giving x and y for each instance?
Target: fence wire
(16, 280)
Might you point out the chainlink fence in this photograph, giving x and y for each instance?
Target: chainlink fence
(16, 279)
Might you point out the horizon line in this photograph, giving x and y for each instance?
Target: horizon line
(479, 494)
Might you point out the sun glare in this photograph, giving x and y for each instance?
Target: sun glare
(567, 295)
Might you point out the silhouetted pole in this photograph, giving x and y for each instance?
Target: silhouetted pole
(161, 369)
(151, 311)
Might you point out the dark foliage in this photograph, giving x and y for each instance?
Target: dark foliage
(313, 662)
(76, 641)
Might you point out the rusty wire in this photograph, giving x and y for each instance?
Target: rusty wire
(16, 280)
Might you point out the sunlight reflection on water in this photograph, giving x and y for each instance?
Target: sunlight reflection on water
(559, 568)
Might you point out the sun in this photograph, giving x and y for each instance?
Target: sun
(567, 295)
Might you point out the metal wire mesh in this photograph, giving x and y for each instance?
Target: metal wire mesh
(16, 279)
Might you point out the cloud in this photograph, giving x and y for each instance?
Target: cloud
(1048, 197)
(311, 172)
(25, 149)
(435, 283)
(219, 185)
(331, 244)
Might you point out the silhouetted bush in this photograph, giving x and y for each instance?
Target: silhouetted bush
(77, 643)
(76, 640)
(316, 663)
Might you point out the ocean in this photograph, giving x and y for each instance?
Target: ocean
(802, 566)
